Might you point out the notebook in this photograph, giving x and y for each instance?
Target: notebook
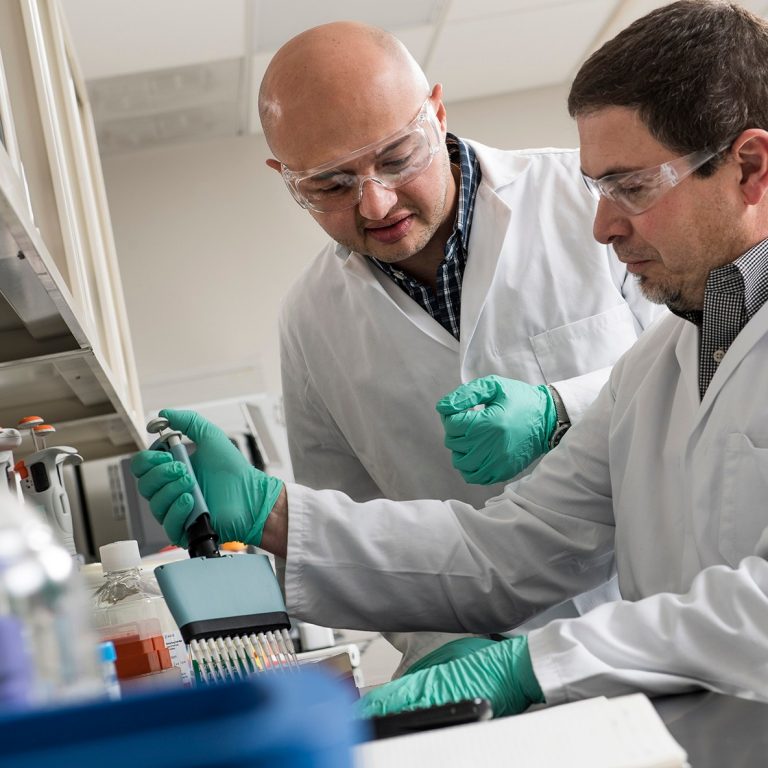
(624, 732)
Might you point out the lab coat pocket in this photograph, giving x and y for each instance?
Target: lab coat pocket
(587, 345)
(744, 503)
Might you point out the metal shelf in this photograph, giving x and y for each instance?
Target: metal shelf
(48, 366)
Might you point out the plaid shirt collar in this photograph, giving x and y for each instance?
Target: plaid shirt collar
(747, 276)
(462, 155)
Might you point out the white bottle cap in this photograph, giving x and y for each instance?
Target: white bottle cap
(120, 556)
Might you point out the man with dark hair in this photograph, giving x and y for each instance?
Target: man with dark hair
(666, 474)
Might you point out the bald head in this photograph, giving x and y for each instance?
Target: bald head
(333, 84)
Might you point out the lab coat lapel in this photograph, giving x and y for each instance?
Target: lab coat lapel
(750, 335)
(362, 268)
(490, 229)
(687, 353)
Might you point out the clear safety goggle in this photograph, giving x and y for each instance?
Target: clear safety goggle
(391, 162)
(635, 192)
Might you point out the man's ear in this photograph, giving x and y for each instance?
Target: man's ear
(274, 165)
(436, 97)
(751, 152)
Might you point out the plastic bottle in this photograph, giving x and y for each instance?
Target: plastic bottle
(130, 611)
(48, 649)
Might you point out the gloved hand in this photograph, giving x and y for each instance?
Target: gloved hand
(456, 649)
(498, 442)
(501, 672)
(239, 496)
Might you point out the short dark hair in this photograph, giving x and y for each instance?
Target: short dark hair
(696, 71)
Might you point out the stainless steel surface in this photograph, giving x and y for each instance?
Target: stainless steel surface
(717, 731)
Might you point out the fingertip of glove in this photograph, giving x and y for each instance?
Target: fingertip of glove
(179, 420)
(175, 517)
(179, 468)
(457, 405)
(143, 461)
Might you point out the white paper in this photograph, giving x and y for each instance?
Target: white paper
(625, 732)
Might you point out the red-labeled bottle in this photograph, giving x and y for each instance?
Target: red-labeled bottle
(130, 612)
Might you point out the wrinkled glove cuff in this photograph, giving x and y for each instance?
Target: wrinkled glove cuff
(267, 491)
(456, 649)
(529, 684)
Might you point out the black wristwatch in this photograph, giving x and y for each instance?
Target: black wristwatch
(563, 422)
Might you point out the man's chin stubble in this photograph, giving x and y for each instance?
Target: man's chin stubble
(657, 294)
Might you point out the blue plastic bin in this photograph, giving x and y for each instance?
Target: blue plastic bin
(293, 720)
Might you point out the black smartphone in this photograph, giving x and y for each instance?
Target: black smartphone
(457, 713)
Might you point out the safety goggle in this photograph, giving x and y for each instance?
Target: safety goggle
(391, 162)
(635, 192)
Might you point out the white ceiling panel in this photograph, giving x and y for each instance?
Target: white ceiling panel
(193, 124)
(627, 12)
(478, 9)
(516, 51)
(276, 21)
(170, 70)
(165, 90)
(115, 37)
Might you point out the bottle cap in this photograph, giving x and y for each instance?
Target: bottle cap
(107, 651)
(120, 556)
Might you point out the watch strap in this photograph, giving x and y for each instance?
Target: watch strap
(563, 421)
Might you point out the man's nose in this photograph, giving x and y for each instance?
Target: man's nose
(610, 222)
(376, 201)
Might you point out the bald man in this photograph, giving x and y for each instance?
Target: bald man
(448, 261)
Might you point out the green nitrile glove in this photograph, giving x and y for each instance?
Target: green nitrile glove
(239, 496)
(456, 649)
(501, 672)
(498, 442)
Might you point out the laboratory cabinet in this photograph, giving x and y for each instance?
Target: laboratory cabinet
(65, 345)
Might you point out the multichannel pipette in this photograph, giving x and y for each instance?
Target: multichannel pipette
(229, 608)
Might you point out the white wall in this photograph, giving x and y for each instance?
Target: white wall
(209, 240)
(537, 118)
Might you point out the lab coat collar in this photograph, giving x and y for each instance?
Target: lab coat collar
(499, 166)
(687, 352)
(490, 229)
(362, 268)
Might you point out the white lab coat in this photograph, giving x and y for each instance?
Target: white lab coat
(363, 364)
(675, 487)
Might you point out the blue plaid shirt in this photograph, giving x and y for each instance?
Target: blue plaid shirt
(445, 303)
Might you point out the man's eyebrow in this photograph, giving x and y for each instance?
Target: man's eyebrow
(391, 146)
(341, 166)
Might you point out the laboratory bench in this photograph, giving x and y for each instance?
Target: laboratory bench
(717, 731)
